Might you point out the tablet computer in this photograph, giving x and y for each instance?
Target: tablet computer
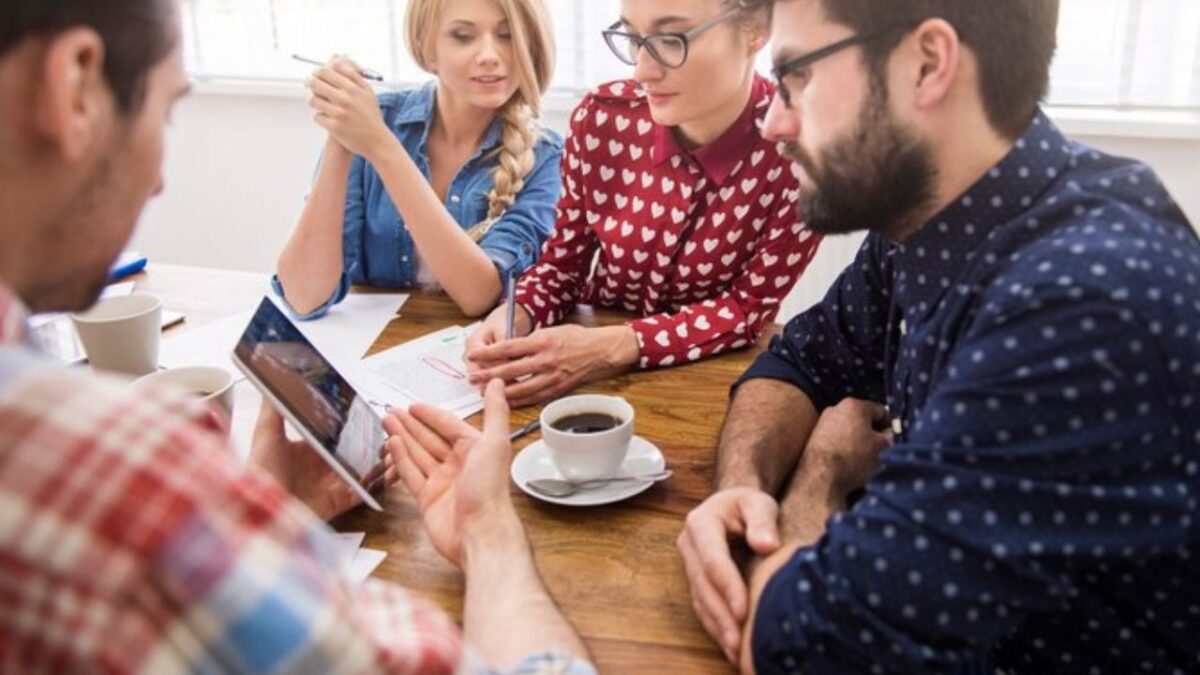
(309, 392)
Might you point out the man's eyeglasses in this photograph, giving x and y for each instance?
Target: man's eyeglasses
(792, 76)
(668, 49)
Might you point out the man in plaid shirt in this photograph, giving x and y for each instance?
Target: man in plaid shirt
(131, 540)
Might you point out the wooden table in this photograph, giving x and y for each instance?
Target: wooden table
(613, 569)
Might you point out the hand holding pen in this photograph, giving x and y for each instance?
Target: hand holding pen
(346, 106)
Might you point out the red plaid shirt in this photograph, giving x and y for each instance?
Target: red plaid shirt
(131, 540)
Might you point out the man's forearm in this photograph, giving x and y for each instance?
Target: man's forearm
(765, 432)
(508, 614)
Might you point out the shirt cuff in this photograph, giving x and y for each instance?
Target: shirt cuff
(771, 366)
(541, 315)
(552, 663)
(776, 641)
(651, 354)
(339, 294)
(506, 262)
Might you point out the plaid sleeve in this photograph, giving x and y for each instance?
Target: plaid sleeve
(131, 540)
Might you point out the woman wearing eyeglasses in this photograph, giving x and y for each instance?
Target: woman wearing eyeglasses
(450, 185)
(674, 209)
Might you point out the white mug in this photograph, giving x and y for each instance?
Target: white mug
(588, 456)
(122, 333)
(214, 386)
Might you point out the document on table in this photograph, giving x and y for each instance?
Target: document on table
(342, 336)
(429, 370)
(350, 328)
(357, 563)
(208, 345)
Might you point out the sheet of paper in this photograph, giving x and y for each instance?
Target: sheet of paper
(350, 328)
(208, 345)
(342, 336)
(429, 369)
(348, 544)
(365, 562)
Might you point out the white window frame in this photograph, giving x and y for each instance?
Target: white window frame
(1122, 119)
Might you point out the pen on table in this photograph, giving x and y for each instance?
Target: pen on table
(525, 430)
(512, 304)
(368, 74)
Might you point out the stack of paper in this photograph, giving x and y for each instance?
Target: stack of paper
(357, 562)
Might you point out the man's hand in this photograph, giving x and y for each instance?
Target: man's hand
(719, 595)
(458, 475)
(304, 473)
(553, 361)
(841, 456)
(843, 451)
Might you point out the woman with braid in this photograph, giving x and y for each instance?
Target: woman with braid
(451, 185)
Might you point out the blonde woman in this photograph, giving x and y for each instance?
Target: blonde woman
(449, 185)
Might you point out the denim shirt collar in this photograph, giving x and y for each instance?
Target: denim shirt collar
(418, 109)
(948, 242)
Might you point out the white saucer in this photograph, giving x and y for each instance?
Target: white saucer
(534, 463)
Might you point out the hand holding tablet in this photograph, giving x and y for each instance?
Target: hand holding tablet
(338, 424)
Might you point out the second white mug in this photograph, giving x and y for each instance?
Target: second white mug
(598, 448)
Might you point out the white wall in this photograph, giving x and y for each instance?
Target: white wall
(238, 166)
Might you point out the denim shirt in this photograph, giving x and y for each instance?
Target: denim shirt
(377, 248)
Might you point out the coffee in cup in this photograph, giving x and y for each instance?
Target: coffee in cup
(211, 385)
(587, 436)
(586, 423)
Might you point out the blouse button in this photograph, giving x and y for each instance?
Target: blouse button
(455, 199)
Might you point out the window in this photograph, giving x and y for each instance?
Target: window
(1112, 53)
(253, 40)
(1128, 53)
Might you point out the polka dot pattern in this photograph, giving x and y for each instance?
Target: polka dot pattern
(703, 249)
(1038, 346)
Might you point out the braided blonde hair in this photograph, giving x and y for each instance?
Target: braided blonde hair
(533, 51)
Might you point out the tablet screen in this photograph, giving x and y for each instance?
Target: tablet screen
(316, 395)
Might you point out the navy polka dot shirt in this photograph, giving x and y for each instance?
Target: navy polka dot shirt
(1038, 346)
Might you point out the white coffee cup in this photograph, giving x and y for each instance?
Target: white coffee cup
(122, 333)
(211, 385)
(588, 456)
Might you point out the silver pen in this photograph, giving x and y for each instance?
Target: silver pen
(525, 430)
(512, 305)
(367, 74)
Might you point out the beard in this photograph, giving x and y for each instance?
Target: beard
(79, 240)
(878, 177)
